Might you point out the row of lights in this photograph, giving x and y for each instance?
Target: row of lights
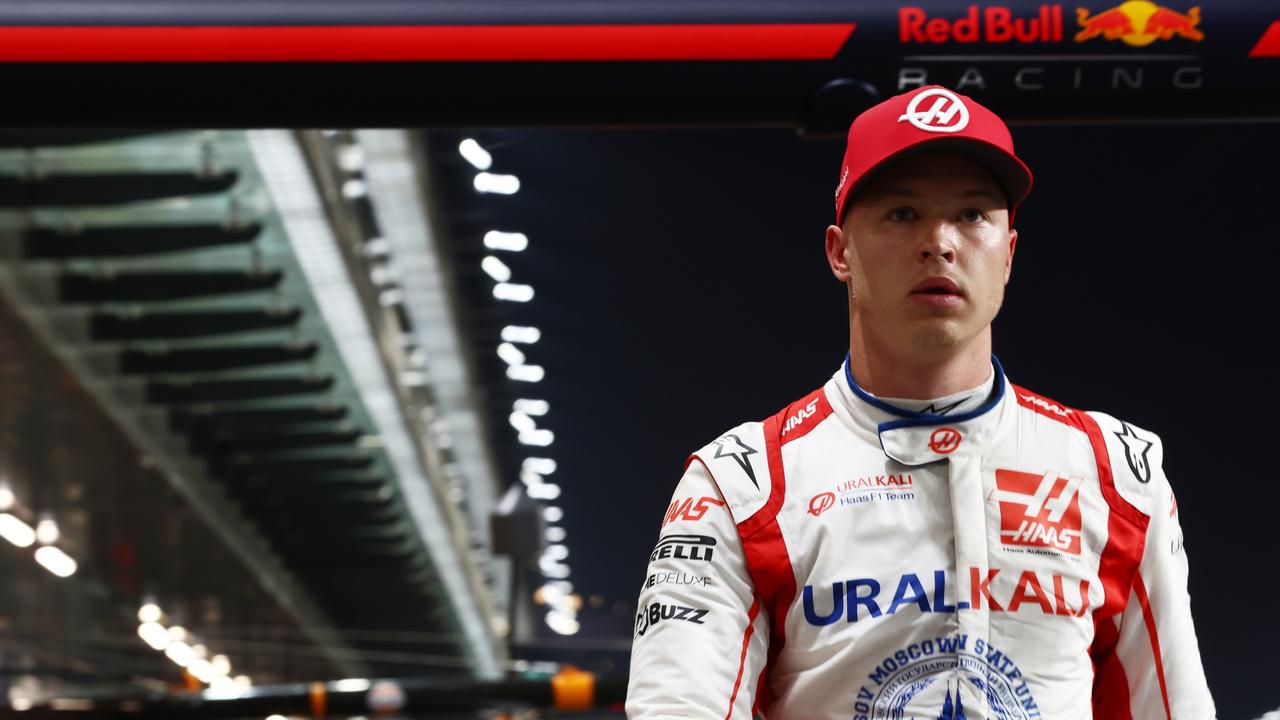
(45, 533)
(557, 592)
(186, 651)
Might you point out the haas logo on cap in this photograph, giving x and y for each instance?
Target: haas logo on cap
(946, 114)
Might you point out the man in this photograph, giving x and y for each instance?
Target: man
(920, 538)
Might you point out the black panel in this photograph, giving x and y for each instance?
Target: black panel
(230, 390)
(141, 287)
(107, 188)
(271, 466)
(233, 442)
(212, 359)
(174, 325)
(45, 243)
(204, 420)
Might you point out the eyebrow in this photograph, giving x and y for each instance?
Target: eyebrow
(893, 192)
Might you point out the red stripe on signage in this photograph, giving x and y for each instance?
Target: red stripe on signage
(1269, 44)
(742, 661)
(424, 43)
(1140, 589)
(1110, 686)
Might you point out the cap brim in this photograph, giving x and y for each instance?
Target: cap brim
(1012, 174)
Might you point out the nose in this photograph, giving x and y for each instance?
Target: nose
(940, 240)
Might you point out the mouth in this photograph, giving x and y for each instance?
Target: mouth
(937, 286)
(938, 292)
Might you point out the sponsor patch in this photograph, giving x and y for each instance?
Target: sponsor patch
(675, 577)
(931, 678)
(691, 509)
(1135, 452)
(1039, 511)
(865, 489)
(661, 612)
(684, 547)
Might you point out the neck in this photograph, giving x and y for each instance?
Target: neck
(887, 371)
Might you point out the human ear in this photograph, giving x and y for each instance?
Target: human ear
(836, 257)
(1008, 261)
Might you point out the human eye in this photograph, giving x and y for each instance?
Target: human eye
(902, 214)
(972, 215)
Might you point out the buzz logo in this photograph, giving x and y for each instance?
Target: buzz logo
(1039, 511)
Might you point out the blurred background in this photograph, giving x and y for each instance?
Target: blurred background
(376, 413)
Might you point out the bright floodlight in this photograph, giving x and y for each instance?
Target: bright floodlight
(522, 423)
(243, 681)
(558, 572)
(559, 587)
(513, 292)
(16, 531)
(154, 634)
(562, 623)
(509, 241)
(47, 531)
(510, 354)
(556, 552)
(540, 465)
(520, 334)
(149, 613)
(496, 269)
(56, 561)
(6, 496)
(221, 665)
(354, 188)
(543, 491)
(538, 437)
(201, 670)
(351, 158)
(471, 151)
(497, 184)
(552, 514)
(536, 408)
(179, 653)
(555, 534)
(526, 373)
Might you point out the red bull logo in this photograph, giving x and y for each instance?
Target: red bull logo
(992, 24)
(1138, 23)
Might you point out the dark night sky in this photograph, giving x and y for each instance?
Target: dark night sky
(682, 289)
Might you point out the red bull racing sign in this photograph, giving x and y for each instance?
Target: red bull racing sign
(1136, 23)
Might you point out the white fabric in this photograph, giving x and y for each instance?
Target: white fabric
(930, 578)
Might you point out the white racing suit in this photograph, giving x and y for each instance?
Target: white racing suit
(848, 559)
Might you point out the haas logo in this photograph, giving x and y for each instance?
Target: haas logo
(944, 440)
(946, 114)
(803, 414)
(1039, 510)
(1046, 405)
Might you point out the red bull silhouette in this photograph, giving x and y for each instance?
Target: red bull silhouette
(1166, 23)
(1111, 24)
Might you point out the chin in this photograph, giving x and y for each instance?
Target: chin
(942, 334)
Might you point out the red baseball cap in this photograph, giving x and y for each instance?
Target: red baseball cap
(930, 119)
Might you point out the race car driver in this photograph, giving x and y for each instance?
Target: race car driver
(919, 537)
